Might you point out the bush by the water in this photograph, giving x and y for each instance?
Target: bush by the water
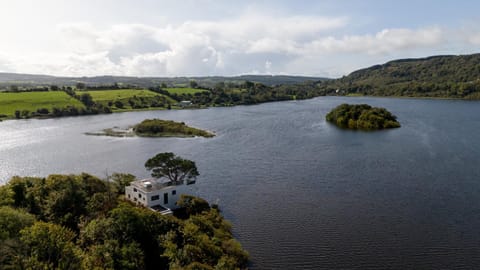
(362, 116)
(158, 127)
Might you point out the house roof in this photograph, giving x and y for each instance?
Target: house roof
(153, 184)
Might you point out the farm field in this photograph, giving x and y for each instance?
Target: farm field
(31, 101)
(110, 95)
(128, 98)
(185, 90)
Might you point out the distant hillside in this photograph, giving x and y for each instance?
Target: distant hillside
(437, 76)
(28, 80)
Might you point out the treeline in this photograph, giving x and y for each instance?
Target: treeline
(245, 93)
(437, 76)
(362, 116)
(14, 88)
(83, 222)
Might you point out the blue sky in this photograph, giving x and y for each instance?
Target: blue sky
(206, 37)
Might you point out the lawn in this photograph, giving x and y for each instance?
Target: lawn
(185, 90)
(111, 95)
(31, 101)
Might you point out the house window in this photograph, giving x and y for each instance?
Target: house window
(139, 195)
(156, 197)
(174, 192)
(134, 190)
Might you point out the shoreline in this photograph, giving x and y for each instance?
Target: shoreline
(233, 105)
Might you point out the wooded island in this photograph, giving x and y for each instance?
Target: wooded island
(362, 117)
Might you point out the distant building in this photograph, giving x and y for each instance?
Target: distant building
(185, 103)
(157, 194)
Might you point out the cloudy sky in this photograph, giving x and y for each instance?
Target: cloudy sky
(206, 37)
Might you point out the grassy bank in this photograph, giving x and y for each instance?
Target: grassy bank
(33, 101)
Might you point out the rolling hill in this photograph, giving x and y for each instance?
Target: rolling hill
(448, 76)
(30, 80)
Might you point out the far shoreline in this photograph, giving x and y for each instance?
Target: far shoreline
(44, 117)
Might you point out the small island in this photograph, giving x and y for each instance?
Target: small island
(155, 128)
(362, 117)
(168, 128)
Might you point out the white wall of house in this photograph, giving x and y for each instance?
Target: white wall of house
(166, 197)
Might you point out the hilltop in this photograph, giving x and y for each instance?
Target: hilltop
(447, 76)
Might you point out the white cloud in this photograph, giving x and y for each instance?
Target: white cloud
(296, 44)
(190, 48)
(385, 41)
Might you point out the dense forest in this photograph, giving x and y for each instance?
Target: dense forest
(362, 116)
(437, 76)
(82, 222)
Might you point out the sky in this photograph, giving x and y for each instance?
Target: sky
(207, 37)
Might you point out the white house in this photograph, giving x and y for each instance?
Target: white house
(158, 194)
(185, 103)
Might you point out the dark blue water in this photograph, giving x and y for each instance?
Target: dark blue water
(301, 193)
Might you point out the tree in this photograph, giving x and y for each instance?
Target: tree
(12, 221)
(193, 84)
(51, 246)
(176, 169)
(118, 104)
(87, 99)
(121, 180)
(80, 85)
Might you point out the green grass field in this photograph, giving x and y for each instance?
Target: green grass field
(123, 95)
(10, 102)
(110, 95)
(186, 90)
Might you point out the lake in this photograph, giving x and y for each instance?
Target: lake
(301, 193)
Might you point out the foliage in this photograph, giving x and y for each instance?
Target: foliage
(362, 116)
(128, 98)
(175, 168)
(50, 245)
(12, 221)
(167, 128)
(121, 180)
(437, 76)
(193, 205)
(204, 241)
(80, 222)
